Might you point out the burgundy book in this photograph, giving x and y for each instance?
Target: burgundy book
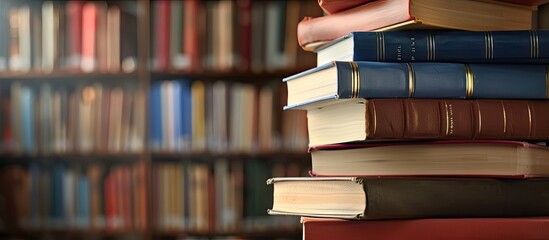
(425, 229)
(399, 119)
(405, 14)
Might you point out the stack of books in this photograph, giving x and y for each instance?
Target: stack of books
(426, 120)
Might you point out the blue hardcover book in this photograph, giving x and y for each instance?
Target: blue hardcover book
(186, 114)
(83, 201)
(346, 80)
(27, 118)
(34, 170)
(57, 209)
(155, 116)
(520, 46)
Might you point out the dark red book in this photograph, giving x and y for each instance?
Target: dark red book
(428, 119)
(425, 229)
(162, 33)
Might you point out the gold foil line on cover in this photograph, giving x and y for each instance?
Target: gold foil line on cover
(479, 119)
(534, 44)
(431, 48)
(447, 118)
(529, 119)
(379, 45)
(488, 45)
(411, 80)
(375, 115)
(469, 81)
(504, 118)
(355, 80)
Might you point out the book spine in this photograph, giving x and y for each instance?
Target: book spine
(441, 80)
(452, 46)
(456, 119)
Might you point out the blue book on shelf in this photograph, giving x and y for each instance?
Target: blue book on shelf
(186, 114)
(57, 207)
(520, 46)
(176, 88)
(155, 116)
(35, 216)
(83, 201)
(27, 116)
(360, 79)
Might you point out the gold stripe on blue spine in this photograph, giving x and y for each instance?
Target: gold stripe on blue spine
(355, 80)
(380, 46)
(469, 81)
(489, 45)
(534, 44)
(431, 48)
(411, 80)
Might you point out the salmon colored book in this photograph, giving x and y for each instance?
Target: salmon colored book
(334, 6)
(403, 14)
(426, 229)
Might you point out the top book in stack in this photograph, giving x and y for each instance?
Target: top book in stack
(473, 15)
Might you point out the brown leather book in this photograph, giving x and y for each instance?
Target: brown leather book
(389, 119)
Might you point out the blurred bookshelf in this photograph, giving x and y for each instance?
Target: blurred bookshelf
(148, 119)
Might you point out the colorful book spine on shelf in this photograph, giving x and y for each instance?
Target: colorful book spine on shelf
(439, 46)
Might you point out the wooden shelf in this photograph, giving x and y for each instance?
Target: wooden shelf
(72, 233)
(170, 156)
(263, 234)
(70, 157)
(229, 75)
(65, 75)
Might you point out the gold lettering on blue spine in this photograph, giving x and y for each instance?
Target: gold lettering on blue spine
(504, 118)
(534, 44)
(411, 80)
(431, 48)
(469, 81)
(489, 45)
(355, 80)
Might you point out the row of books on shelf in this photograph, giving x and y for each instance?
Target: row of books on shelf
(425, 128)
(194, 116)
(225, 196)
(64, 196)
(185, 116)
(48, 118)
(222, 196)
(227, 35)
(43, 36)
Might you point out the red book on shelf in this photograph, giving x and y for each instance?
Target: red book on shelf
(162, 33)
(400, 14)
(89, 31)
(194, 23)
(425, 229)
